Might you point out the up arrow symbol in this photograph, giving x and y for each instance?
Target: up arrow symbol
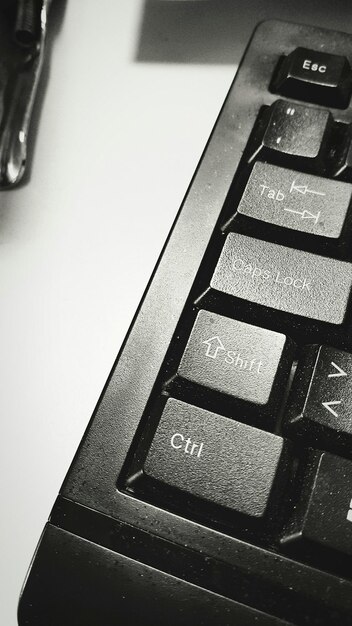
(214, 344)
(339, 371)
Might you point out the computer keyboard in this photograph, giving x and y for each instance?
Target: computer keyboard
(219, 458)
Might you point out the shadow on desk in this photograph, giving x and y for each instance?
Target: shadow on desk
(217, 31)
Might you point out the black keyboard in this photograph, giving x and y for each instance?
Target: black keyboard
(214, 482)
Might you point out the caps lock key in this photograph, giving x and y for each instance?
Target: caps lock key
(284, 278)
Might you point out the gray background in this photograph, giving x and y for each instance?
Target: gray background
(129, 94)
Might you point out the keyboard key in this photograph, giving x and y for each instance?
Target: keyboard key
(295, 131)
(284, 278)
(321, 405)
(232, 357)
(316, 77)
(215, 458)
(302, 202)
(324, 515)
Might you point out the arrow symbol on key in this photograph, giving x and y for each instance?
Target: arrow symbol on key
(308, 215)
(214, 344)
(303, 189)
(340, 371)
(328, 405)
(299, 188)
(305, 214)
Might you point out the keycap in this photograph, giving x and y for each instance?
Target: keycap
(214, 458)
(232, 357)
(323, 516)
(295, 131)
(321, 406)
(283, 278)
(315, 76)
(302, 202)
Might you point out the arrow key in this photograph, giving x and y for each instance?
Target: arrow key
(321, 407)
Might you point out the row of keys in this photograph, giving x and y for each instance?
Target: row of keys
(248, 363)
(239, 467)
(230, 464)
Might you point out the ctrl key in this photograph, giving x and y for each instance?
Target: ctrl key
(216, 459)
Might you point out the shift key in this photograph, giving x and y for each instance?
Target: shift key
(233, 358)
(284, 278)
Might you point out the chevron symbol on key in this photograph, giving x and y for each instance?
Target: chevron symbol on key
(329, 405)
(339, 371)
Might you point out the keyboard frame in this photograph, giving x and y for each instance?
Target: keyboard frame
(90, 505)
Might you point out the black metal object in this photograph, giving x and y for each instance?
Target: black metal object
(23, 30)
(28, 22)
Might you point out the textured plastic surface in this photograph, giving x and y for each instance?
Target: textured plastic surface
(285, 279)
(315, 76)
(75, 582)
(231, 464)
(300, 201)
(324, 516)
(232, 357)
(296, 130)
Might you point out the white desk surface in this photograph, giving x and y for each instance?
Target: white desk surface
(117, 143)
(116, 147)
